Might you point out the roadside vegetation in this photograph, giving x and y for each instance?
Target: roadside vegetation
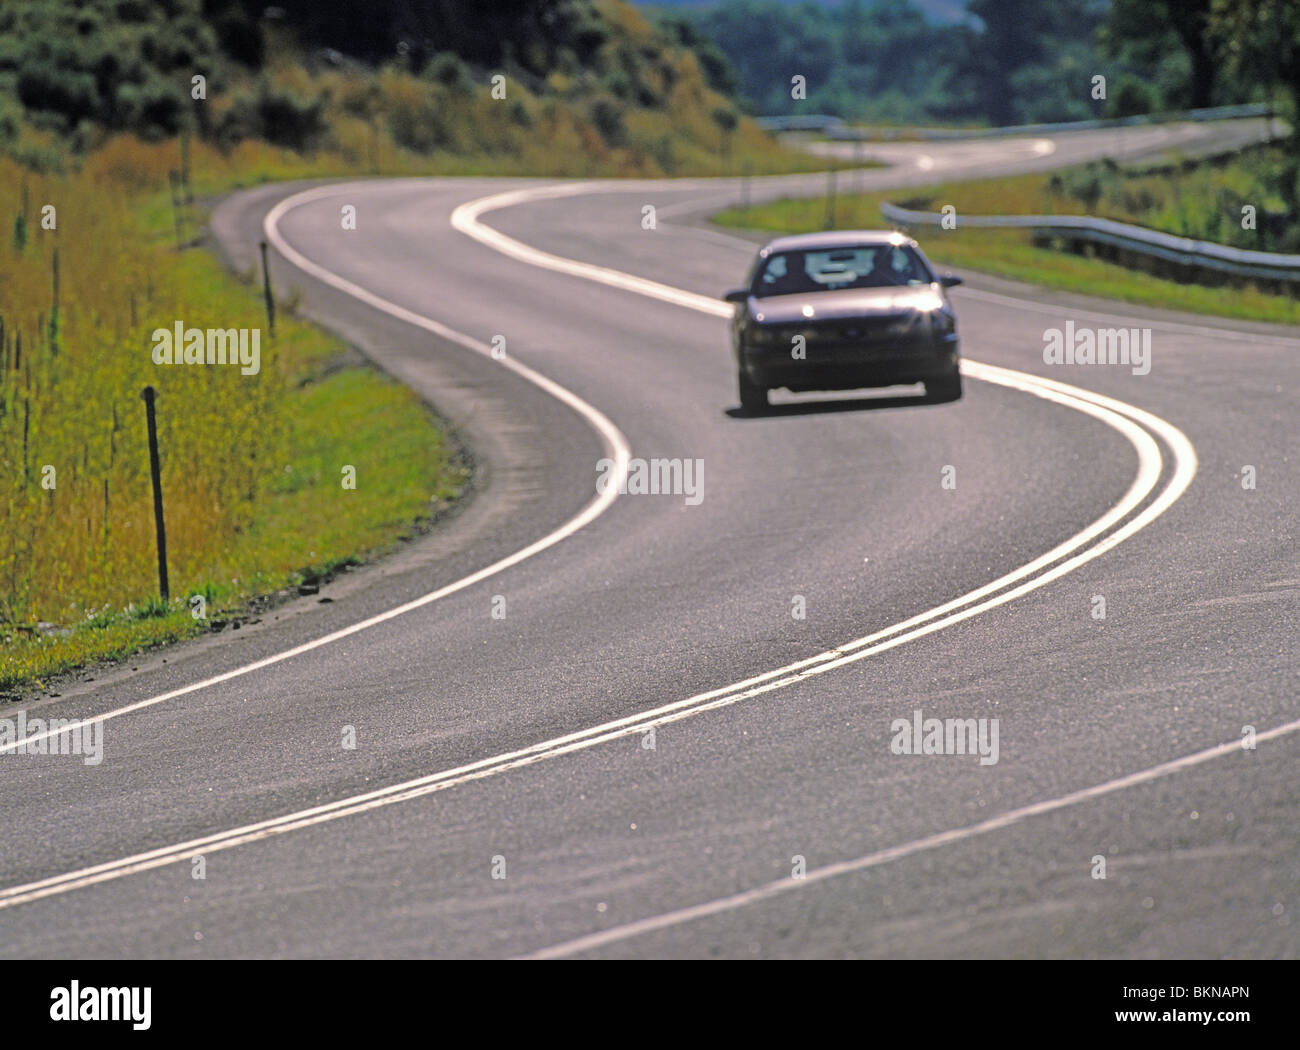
(251, 463)
(570, 87)
(1202, 200)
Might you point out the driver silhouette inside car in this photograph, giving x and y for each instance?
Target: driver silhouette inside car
(795, 278)
(883, 273)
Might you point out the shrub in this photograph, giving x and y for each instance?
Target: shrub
(415, 120)
(1131, 98)
(519, 114)
(607, 117)
(279, 116)
(154, 108)
(451, 72)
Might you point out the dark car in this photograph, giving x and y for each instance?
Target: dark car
(841, 310)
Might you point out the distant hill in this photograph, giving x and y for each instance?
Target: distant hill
(590, 82)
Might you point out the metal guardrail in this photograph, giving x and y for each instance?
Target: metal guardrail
(840, 131)
(811, 122)
(1184, 251)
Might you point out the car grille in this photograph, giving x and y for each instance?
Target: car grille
(899, 329)
(857, 329)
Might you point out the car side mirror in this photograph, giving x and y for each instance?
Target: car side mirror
(950, 280)
(737, 295)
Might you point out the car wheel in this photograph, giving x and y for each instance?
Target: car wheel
(753, 398)
(947, 388)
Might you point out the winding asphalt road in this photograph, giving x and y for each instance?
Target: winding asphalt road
(521, 746)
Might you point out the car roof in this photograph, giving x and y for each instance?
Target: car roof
(830, 239)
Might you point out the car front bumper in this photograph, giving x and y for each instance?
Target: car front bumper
(847, 366)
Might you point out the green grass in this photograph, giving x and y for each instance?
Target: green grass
(308, 526)
(1011, 253)
(78, 596)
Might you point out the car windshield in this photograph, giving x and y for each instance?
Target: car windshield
(826, 270)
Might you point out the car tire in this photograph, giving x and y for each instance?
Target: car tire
(753, 398)
(947, 388)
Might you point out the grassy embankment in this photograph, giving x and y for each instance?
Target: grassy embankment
(1201, 201)
(252, 465)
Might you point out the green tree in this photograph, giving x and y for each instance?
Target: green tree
(1260, 41)
(1147, 27)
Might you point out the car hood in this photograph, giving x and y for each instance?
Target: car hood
(846, 303)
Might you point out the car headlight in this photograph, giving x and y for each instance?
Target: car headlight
(906, 324)
(764, 335)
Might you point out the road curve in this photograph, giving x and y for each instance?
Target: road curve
(520, 746)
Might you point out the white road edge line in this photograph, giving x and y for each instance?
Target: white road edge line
(1116, 414)
(885, 856)
(611, 437)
